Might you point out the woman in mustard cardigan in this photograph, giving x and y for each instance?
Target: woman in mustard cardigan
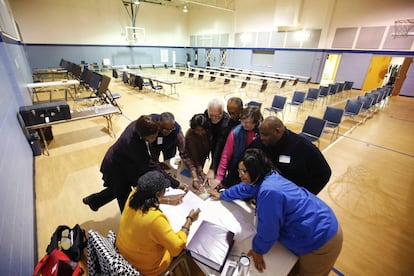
(145, 237)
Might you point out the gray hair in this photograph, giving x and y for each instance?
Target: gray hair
(215, 103)
(167, 117)
(236, 100)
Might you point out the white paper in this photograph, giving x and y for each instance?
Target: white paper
(181, 211)
(236, 223)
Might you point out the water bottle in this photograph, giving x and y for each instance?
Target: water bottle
(243, 266)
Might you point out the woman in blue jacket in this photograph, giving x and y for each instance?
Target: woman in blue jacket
(286, 213)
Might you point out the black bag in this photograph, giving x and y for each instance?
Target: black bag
(45, 113)
(71, 241)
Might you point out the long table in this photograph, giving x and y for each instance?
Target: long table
(171, 82)
(242, 78)
(295, 78)
(237, 216)
(42, 73)
(35, 87)
(107, 111)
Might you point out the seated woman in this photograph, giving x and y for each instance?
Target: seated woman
(145, 238)
(238, 140)
(287, 213)
(197, 144)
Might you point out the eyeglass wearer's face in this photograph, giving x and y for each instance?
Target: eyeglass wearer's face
(244, 174)
(234, 111)
(215, 114)
(166, 128)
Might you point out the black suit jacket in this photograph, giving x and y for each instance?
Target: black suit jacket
(298, 160)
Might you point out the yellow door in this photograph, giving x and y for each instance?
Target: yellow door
(376, 72)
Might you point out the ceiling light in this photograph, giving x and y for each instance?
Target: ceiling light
(136, 2)
(185, 9)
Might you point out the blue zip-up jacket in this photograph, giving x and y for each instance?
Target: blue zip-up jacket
(286, 213)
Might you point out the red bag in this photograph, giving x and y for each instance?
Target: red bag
(57, 263)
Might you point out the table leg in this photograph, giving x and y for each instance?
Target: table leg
(34, 93)
(109, 125)
(42, 135)
(67, 91)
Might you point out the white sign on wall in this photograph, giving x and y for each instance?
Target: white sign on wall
(164, 55)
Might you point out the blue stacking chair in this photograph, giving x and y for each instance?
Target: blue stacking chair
(278, 105)
(313, 129)
(333, 117)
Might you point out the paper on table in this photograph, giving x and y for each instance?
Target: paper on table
(236, 222)
(171, 192)
(190, 201)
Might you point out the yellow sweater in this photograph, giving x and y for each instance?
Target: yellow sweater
(147, 241)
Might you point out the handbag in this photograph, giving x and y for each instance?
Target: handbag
(57, 263)
(71, 241)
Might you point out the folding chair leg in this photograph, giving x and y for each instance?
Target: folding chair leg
(179, 261)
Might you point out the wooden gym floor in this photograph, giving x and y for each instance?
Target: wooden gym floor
(371, 189)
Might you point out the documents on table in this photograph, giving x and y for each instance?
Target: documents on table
(234, 221)
(181, 211)
(211, 244)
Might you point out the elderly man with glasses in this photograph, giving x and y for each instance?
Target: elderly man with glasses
(218, 131)
(170, 137)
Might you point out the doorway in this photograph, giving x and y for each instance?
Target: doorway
(404, 81)
(393, 70)
(330, 68)
(376, 72)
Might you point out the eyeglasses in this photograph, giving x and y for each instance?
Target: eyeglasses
(168, 130)
(241, 171)
(216, 116)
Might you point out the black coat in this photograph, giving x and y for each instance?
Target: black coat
(217, 136)
(127, 160)
(298, 160)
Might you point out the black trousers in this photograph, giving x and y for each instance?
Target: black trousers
(108, 194)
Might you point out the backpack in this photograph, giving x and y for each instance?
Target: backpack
(71, 241)
(57, 263)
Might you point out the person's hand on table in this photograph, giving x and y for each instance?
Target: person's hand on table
(215, 184)
(183, 186)
(173, 199)
(193, 215)
(196, 187)
(196, 184)
(214, 194)
(258, 260)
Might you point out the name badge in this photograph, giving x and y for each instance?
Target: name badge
(159, 141)
(284, 159)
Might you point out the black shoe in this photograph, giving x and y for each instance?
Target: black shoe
(88, 201)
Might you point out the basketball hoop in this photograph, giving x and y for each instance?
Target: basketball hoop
(403, 28)
(134, 34)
